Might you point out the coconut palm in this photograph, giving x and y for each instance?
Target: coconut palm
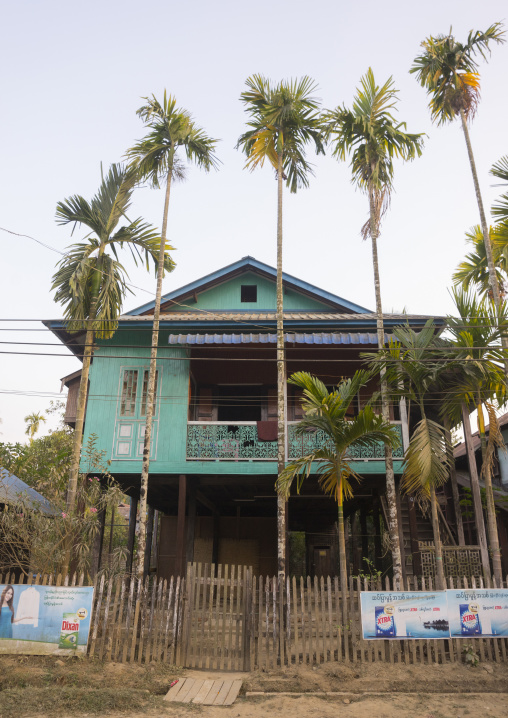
(478, 381)
(284, 119)
(448, 70)
(327, 412)
(156, 159)
(91, 283)
(371, 137)
(33, 424)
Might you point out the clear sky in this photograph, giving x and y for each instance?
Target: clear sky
(73, 75)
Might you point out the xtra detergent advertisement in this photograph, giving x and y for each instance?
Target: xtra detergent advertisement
(44, 619)
(478, 612)
(455, 613)
(404, 614)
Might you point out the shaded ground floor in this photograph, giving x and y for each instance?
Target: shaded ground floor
(233, 520)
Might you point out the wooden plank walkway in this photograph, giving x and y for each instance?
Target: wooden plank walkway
(218, 692)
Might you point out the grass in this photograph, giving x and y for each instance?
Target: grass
(37, 685)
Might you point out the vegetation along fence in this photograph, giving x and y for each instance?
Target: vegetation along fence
(224, 617)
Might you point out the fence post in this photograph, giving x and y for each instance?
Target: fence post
(248, 624)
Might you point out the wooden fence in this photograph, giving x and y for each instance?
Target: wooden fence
(226, 618)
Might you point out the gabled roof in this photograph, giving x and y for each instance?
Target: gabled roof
(244, 265)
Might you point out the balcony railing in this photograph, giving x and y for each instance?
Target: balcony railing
(218, 441)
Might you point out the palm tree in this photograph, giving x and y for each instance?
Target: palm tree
(500, 209)
(284, 118)
(370, 135)
(155, 158)
(448, 70)
(474, 270)
(326, 412)
(413, 362)
(479, 382)
(91, 284)
(33, 424)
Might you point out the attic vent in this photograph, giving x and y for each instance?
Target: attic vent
(249, 293)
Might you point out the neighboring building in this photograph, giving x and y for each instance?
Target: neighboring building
(499, 483)
(214, 449)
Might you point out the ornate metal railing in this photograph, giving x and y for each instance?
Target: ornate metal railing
(209, 441)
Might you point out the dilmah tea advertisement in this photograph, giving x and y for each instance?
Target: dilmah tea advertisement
(44, 619)
(455, 613)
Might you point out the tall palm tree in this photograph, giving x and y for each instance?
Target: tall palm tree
(479, 382)
(156, 159)
(326, 412)
(284, 118)
(33, 424)
(448, 70)
(91, 283)
(372, 138)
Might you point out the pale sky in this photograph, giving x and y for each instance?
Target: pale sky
(74, 75)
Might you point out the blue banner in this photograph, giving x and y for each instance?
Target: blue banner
(478, 612)
(404, 614)
(44, 619)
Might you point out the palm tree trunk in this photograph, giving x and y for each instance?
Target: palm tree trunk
(496, 294)
(150, 398)
(440, 577)
(72, 488)
(342, 553)
(391, 500)
(485, 230)
(281, 382)
(475, 491)
(491, 506)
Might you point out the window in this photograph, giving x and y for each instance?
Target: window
(249, 293)
(145, 392)
(130, 402)
(129, 389)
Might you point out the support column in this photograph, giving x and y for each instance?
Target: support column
(455, 488)
(149, 537)
(215, 543)
(378, 547)
(365, 536)
(413, 533)
(180, 526)
(191, 523)
(132, 533)
(97, 544)
(357, 548)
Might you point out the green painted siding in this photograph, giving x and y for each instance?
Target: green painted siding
(227, 297)
(103, 417)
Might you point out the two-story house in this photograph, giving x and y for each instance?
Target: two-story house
(214, 449)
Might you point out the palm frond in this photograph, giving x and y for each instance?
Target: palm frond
(427, 460)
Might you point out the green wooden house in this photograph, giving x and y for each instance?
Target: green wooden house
(213, 455)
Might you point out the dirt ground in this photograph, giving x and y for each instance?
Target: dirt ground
(45, 686)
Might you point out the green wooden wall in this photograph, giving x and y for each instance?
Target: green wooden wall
(227, 297)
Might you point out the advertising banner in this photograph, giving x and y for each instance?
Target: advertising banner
(404, 614)
(44, 619)
(478, 612)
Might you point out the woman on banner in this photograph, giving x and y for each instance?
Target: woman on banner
(7, 612)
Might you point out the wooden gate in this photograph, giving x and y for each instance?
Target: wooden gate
(216, 615)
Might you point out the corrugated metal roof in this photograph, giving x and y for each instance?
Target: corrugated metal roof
(213, 316)
(290, 338)
(11, 488)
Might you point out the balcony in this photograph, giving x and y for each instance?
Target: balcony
(219, 441)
